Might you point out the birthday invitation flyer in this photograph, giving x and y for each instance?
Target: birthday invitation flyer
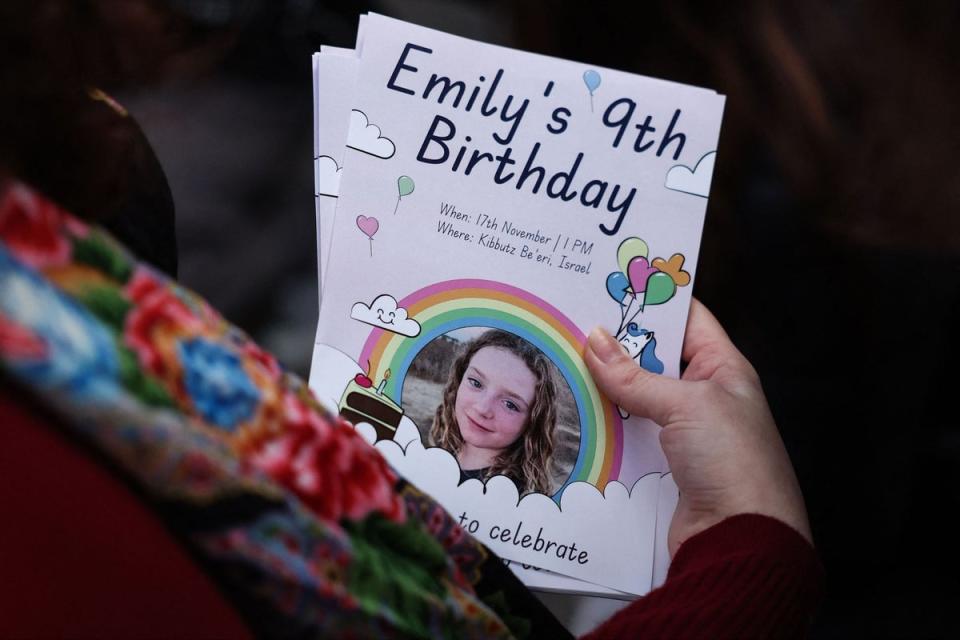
(490, 207)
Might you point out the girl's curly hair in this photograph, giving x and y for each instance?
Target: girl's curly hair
(526, 461)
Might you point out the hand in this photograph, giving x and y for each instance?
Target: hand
(719, 437)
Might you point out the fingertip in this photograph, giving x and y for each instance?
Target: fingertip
(703, 330)
(619, 377)
(603, 345)
(700, 314)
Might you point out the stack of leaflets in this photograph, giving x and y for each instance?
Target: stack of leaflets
(479, 211)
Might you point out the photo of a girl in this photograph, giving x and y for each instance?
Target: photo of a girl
(499, 405)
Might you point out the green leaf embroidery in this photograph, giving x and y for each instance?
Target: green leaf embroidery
(141, 385)
(108, 304)
(98, 251)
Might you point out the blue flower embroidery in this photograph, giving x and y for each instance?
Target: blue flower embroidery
(220, 389)
(81, 358)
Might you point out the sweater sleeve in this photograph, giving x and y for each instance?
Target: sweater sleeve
(748, 576)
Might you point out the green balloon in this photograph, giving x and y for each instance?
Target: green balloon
(405, 185)
(630, 249)
(660, 288)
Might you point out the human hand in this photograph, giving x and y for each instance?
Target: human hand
(719, 437)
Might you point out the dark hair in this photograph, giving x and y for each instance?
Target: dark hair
(850, 107)
(64, 137)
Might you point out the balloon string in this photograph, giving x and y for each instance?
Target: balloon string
(623, 314)
(591, 102)
(397, 205)
(371, 247)
(638, 311)
(623, 322)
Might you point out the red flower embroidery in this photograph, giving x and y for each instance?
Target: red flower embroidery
(157, 310)
(266, 360)
(30, 227)
(141, 285)
(20, 343)
(331, 468)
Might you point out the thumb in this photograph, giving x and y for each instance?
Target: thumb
(629, 386)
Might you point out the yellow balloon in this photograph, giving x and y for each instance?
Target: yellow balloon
(630, 249)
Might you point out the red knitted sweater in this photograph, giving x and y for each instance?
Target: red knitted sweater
(748, 577)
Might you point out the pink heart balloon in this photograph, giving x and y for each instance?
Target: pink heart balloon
(369, 226)
(639, 271)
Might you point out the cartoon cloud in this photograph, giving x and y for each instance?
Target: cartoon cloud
(326, 176)
(383, 312)
(367, 137)
(494, 510)
(695, 181)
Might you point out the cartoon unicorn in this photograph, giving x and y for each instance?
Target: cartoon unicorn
(641, 345)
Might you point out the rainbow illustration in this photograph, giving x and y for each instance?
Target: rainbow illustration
(455, 304)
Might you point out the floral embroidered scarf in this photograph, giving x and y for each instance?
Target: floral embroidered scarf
(295, 516)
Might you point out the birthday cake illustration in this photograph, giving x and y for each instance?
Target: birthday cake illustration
(361, 402)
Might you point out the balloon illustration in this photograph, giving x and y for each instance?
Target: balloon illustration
(642, 282)
(674, 268)
(592, 79)
(639, 272)
(660, 288)
(404, 188)
(629, 249)
(369, 226)
(618, 286)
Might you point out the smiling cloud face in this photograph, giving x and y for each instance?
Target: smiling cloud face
(383, 312)
(326, 176)
(367, 137)
(696, 181)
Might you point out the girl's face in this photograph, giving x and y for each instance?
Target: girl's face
(494, 399)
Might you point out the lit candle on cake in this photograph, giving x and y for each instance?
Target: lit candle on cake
(383, 383)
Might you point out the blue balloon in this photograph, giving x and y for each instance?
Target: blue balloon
(617, 286)
(592, 79)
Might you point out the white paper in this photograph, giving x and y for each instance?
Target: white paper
(376, 267)
(333, 100)
(667, 504)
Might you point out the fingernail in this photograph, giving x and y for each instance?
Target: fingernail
(603, 345)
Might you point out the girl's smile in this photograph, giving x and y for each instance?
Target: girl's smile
(493, 404)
